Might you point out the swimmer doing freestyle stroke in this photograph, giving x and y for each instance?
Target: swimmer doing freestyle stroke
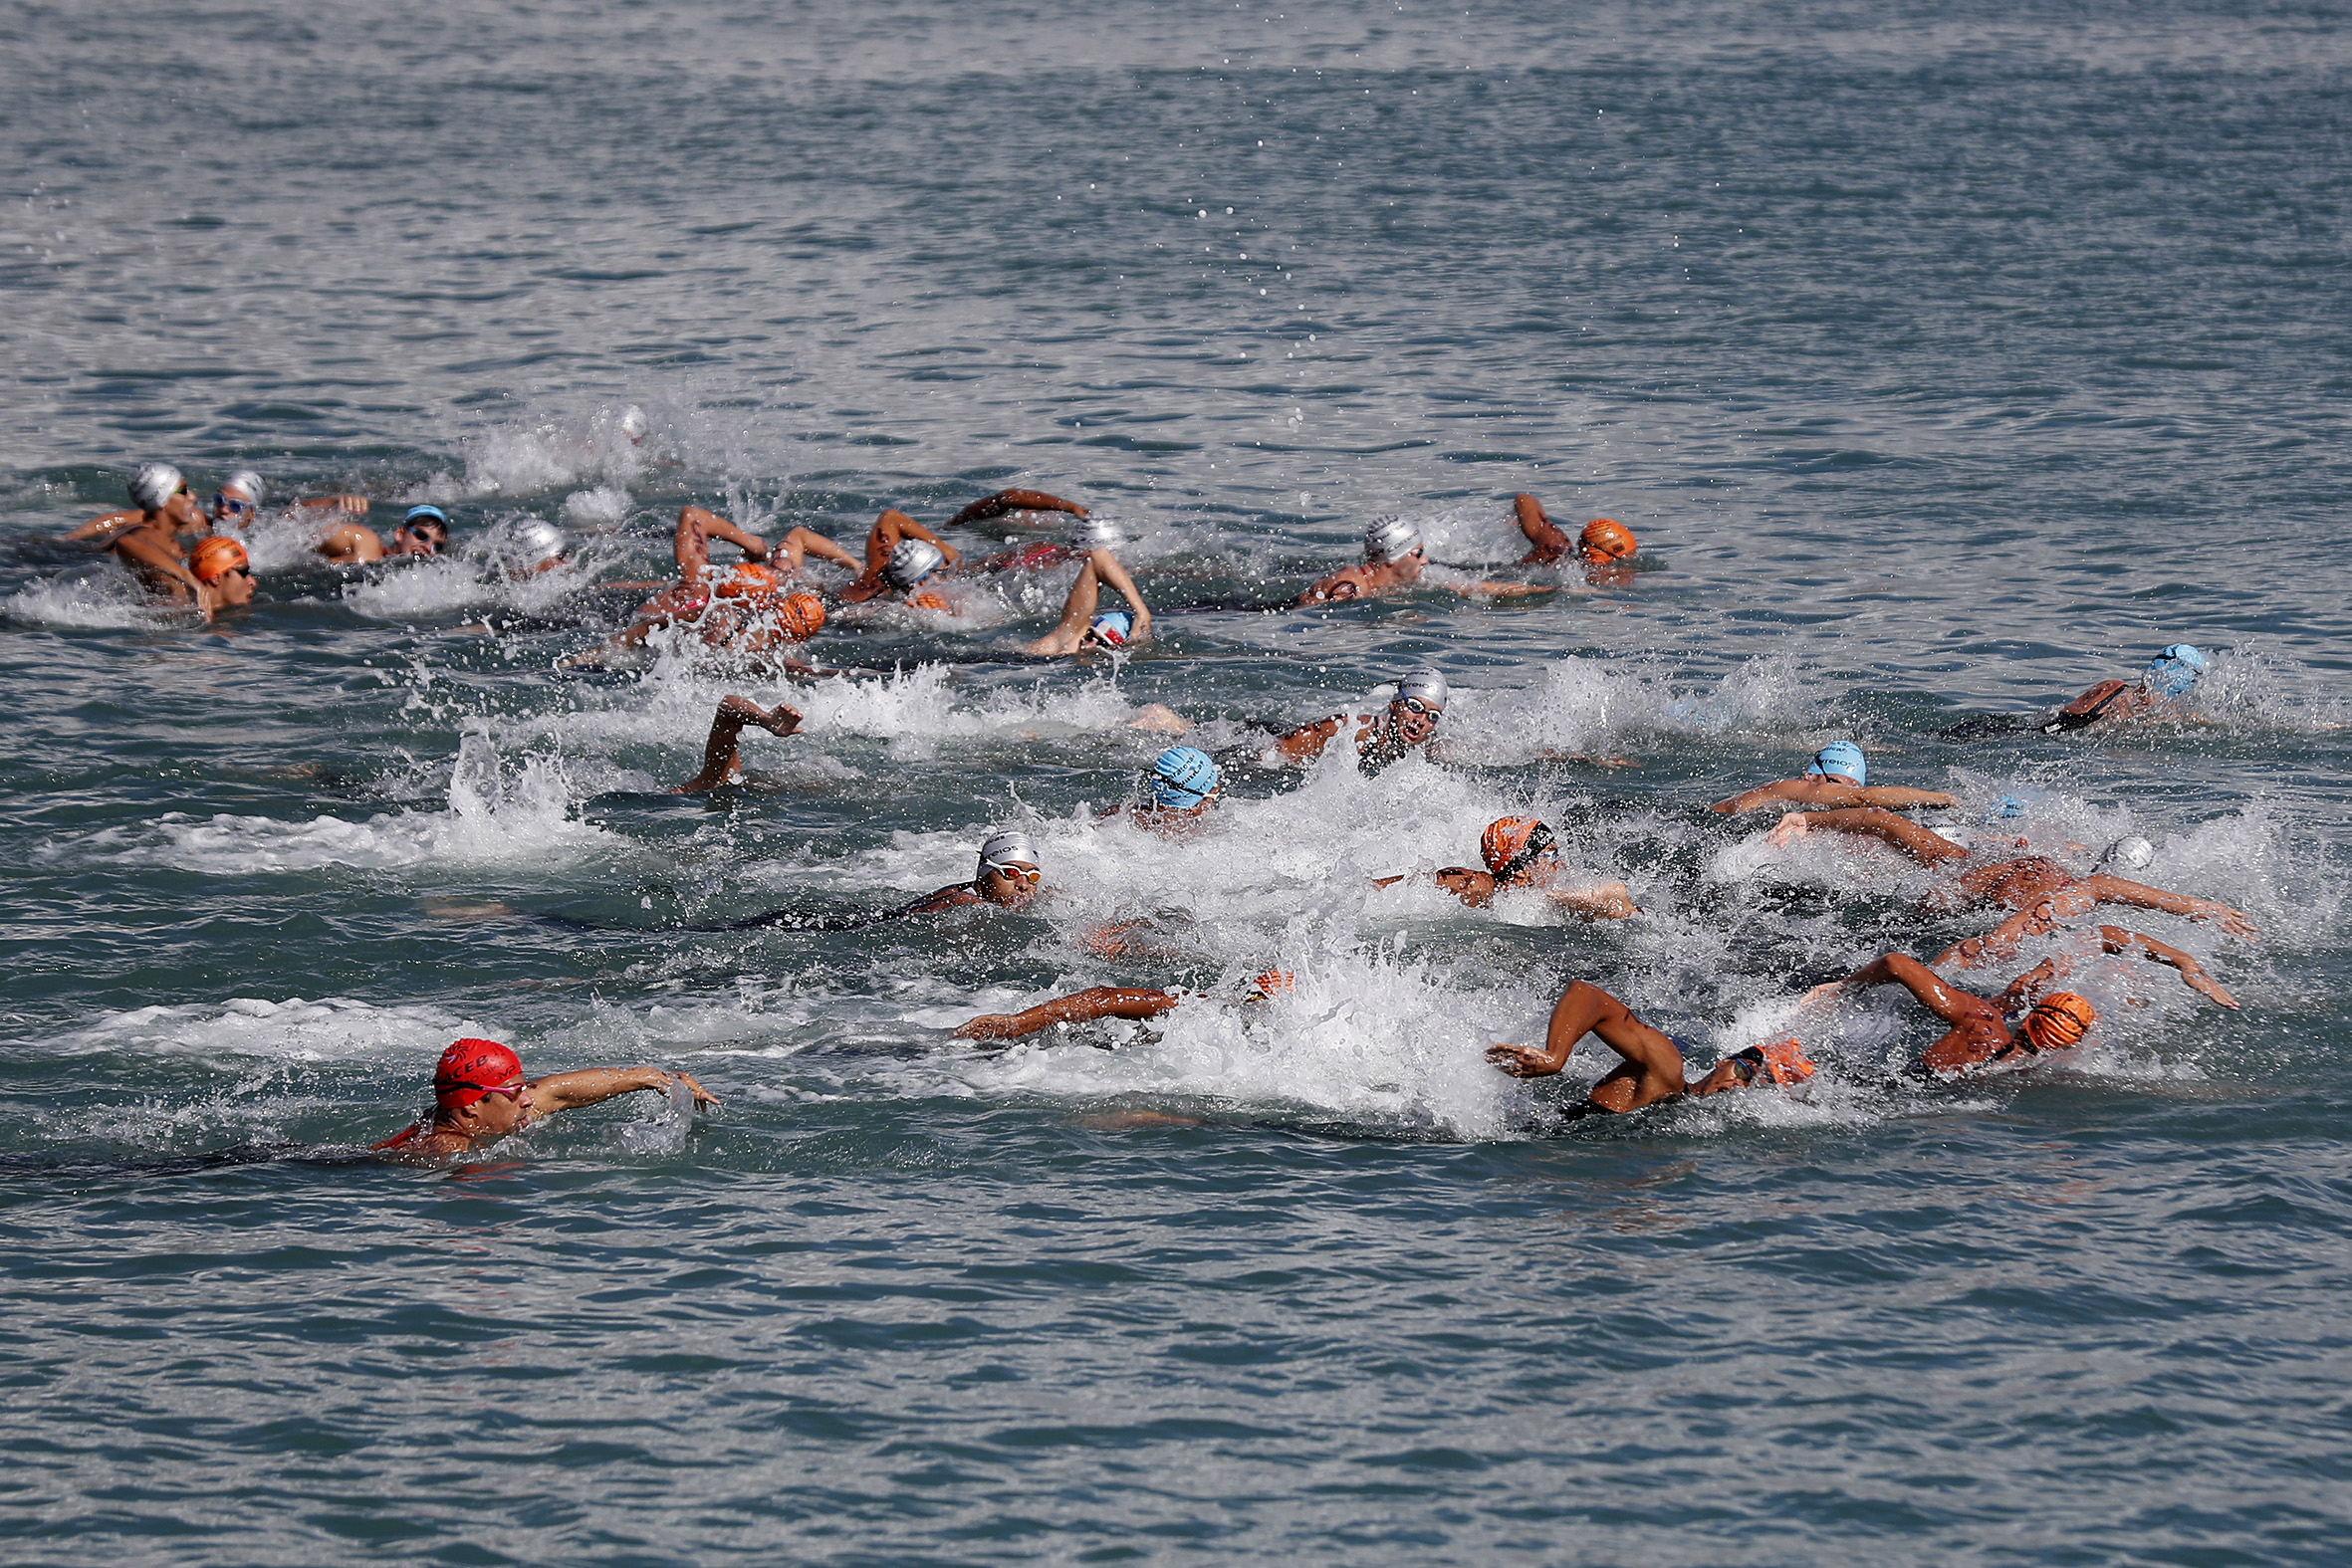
(1651, 1070)
(1080, 629)
(1519, 853)
(1839, 775)
(1604, 548)
(1394, 559)
(480, 1096)
(2157, 694)
(1407, 725)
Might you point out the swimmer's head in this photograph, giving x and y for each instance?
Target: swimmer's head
(800, 615)
(471, 1069)
(1840, 759)
(215, 557)
(2058, 1020)
(912, 562)
(1273, 982)
(540, 540)
(1088, 535)
(238, 497)
(1514, 844)
(428, 525)
(1183, 777)
(634, 424)
(2131, 853)
(153, 485)
(1009, 867)
(2174, 671)
(1605, 539)
(1390, 539)
(2007, 808)
(1419, 702)
(1112, 628)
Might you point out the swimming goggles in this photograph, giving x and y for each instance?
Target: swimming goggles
(236, 509)
(1537, 842)
(1013, 870)
(1416, 704)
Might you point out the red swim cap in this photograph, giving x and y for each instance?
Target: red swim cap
(215, 557)
(472, 1068)
(1510, 842)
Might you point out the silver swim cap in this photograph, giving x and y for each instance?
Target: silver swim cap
(633, 422)
(154, 484)
(1951, 834)
(2131, 853)
(544, 538)
(1426, 687)
(1010, 847)
(1088, 535)
(1389, 539)
(912, 562)
(246, 482)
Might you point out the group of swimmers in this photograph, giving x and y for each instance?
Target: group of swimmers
(761, 610)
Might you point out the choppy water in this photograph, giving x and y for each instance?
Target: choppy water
(1943, 364)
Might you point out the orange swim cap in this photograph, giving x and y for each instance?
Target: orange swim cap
(749, 582)
(1272, 983)
(801, 616)
(472, 1068)
(2058, 1020)
(1606, 537)
(1511, 843)
(215, 557)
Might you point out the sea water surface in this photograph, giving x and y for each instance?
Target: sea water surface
(1944, 360)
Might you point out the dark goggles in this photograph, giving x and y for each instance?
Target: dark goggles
(1537, 842)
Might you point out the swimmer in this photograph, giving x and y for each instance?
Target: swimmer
(424, 531)
(481, 1096)
(719, 752)
(173, 514)
(539, 548)
(744, 612)
(1137, 1002)
(2017, 881)
(1519, 853)
(223, 574)
(1182, 783)
(1008, 878)
(899, 553)
(150, 547)
(1979, 1033)
(1092, 532)
(2002, 943)
(1604, 549)
(1394, 559)
(1081, 631)
(1408, 724)
(2169, 677)
(698, 526)
(1838, 775)
(1652, 1070)
(237, 503)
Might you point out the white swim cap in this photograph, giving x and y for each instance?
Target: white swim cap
(633, 422)
(1389, 539)
(2130, 852)
(1951, 834)
(1008, 848)
(912, 562)
(246, 482)
(1088, 535)
(154, 484)
(1426, 687)
(544, 538)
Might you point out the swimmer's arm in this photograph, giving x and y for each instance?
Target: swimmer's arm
(932, 903)
(2115, 939)
(1761, 796)
(1103, 1002)
(1501, 590)
(2001, 942)
(908, 527)
(1474, 888)
(566, 1091)
(1307, 743)
(1914, 840)
(155, 557)
(1947, 1003)
(111, 522)
(697, 527)
(349, 505)
(2115, 890)
(1004, 501)
(1338, 585)
(1106, 567)
(1547, 539)
(1895, 797)
(1608, 901)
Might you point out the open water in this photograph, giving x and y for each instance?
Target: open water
(1945, 359)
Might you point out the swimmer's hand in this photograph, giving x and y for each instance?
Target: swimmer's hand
(2234, 922)
(704, 1100)
(1789, 830)
(1822, 996)
(2200, 981)
(991, 1026)
(1522, 1061)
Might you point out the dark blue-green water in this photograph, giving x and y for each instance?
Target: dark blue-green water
(1944, 360)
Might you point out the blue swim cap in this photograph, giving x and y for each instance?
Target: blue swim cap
(430, 514)
(1843, 758)
(2008, 806)
(2175, 670)
(1113, 627)
(1182, 777)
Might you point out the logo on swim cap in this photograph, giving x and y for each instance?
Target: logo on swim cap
(2175, 670)
(1389, 539)
(2058, 1020)
(154, 485)
(246, 483)
(1113, 627)
(1842, 758)
(1512, 843)
(1008, 848)
(1426, 687)
(912, 562)
(1182, 776)
(2131, 853)
(1607, 536)
(471, 1068)
(215, 557)
(1088, 535)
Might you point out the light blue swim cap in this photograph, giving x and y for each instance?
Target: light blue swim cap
(2175, 670)
(428, 513)
(1843, 758)
(2007, 808)
(1182, 776)
(1113, 627)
